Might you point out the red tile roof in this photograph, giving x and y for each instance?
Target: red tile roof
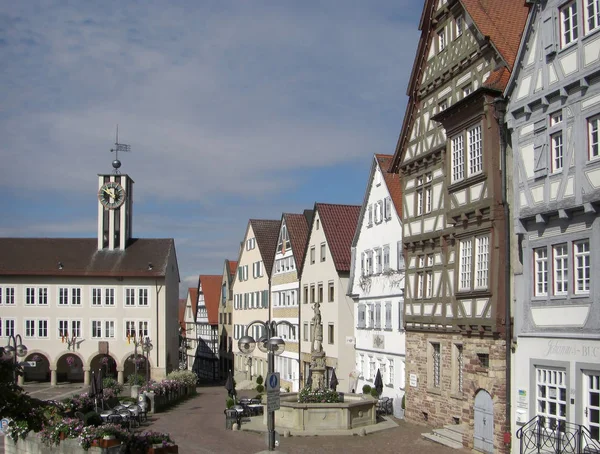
(266, 233)
(297, 226)
(182, 304)
(232, 266)
(339, 224)
(211, 288)
(81, 257)
(193, 296)
(502, 21)
(392, 181)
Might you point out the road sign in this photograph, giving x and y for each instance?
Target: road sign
(273, 382)
(273, 401)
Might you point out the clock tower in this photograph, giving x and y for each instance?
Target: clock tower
(115, 202)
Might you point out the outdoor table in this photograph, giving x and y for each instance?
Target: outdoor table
(126, 404)
(255, 409)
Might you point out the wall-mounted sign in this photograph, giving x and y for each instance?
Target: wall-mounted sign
(412, 380)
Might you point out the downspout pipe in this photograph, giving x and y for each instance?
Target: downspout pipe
(500, 107)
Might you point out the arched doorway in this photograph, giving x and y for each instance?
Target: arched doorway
(135, 364)
(106, 364)
(69, 368)
(40, 372)
(484, 422)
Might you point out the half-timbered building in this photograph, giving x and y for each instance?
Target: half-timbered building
(454, 218)
(554, 120)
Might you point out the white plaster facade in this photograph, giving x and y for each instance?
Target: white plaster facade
(377, 288)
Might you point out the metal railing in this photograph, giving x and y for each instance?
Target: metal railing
(556, 437)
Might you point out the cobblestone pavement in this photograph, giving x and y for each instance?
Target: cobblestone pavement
(198, 426)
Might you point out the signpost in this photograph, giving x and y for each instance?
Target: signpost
(273, 394)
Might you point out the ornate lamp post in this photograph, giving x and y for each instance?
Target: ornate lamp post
(147, 347)
(273, 345)
(137, 342)
(15, 350)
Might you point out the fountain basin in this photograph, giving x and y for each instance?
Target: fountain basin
(357, 410)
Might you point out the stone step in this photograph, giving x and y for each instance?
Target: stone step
(442, 440)
(450, 434)
(458, 428)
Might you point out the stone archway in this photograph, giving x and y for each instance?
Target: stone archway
(129, 365)
(69, 368)
(104, 363)
(41, 371)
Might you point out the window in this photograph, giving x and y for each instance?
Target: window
(29, 295)
(475, 152)
(592, 14)
(458, 26)
(420, 284)
(142, 297)
(76, 296)
(367, 263)
(467, 90)
(435, 364)
(424, 195)
(465, 265)
(387, 208)
(76, 328)
(43, 296)
(593, 141)
(459, 368)
(97, 297)
(442, 105)
(458, 158)
(484, 360)
(63, 296)
(391, 372)
(561, 269)
(386, 257)
(441, 39)
(109, 296)
(377, 315)
(9, 326)
(305, 294)
(305, 331)
(320, 293)
(371, 368)
(378, 261)
(551, 396)
(318, 224)
(556, 143)
(379, 212)
(42, 328)
(481, 263)
(9, 296)
(330, 334)
(581, 252)
(370, 216)
(322, 252)
(29, 328)
(250, 244)
(388, 315)
(330, 292)
(568, 23)
(361, 316)
(371, 316)
(312, 293)
(399, 255)
(428, 284)
(129, 297)
(540, 256)
(312, 255)
(96, 329)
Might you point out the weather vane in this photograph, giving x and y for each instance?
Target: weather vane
(118, 147)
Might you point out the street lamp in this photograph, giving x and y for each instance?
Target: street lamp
(147, 347)
(139, 341)
(273, 345)
(15, 350)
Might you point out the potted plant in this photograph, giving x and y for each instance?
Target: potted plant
(366, 389)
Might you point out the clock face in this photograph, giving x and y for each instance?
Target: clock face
(111, 195)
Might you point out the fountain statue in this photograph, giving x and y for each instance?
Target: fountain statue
(317, 363)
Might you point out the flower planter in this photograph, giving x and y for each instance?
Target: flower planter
(102, 443)
(159, 449)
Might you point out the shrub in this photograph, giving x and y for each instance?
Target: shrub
(260, 388)
(136, 379)
(308, 396)
(366, 389)
(229, 402)
(259, 397)
(186, 377)
(112, 384)
(91, 418)
(259, 380)
(374, 393)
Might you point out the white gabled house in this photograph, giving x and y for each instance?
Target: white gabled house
(377, 283)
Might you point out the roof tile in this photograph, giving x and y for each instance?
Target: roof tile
(266, 232)
(297, 226)
(211, 288)
(339, 224)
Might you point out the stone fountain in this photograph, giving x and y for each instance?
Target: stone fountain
(317, 354)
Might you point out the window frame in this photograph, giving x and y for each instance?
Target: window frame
(570, 35)
(541, 270)
(593, 149)
(577, 270)
(595, 4)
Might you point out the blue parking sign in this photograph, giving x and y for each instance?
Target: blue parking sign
(4, 426)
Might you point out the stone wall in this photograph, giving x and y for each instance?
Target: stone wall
(437, 407)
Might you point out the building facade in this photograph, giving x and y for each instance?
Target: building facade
(554, 119)
(206, 358)
(285, 293)
(251, 289)
(225, 318)
(324, 279)
(454, 218)
(377, 283)
(82, 304)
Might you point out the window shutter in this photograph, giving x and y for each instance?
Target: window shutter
(540, 149)
(549, 35)
(388, 208)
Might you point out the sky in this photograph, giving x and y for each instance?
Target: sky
(233, 110)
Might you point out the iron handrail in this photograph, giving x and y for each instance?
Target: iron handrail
(558, 437)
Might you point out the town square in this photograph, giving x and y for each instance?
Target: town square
(300, 227)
